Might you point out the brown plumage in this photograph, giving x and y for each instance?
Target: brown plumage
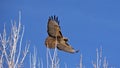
(53, 27)
(55, 38)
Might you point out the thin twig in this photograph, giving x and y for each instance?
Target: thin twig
(25, 53)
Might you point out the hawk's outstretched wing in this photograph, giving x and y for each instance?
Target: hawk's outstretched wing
(53, 27)
(61, 44)
(64, 46)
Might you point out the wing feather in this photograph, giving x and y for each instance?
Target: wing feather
(53, 27)
(64, 46)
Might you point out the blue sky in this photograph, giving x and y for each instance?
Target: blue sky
(89, 24)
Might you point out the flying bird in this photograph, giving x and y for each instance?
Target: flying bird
(55, 37)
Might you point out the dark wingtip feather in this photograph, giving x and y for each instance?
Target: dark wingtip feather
(49, 18)
(77, 51)
(54, 18)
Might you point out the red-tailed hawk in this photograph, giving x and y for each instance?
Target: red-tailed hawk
(55, 38)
